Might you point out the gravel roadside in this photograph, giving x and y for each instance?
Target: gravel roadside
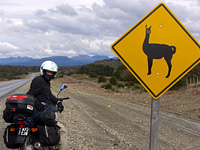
(95, 119)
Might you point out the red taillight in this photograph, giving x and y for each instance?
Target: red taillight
(16, 97)
(21, 122)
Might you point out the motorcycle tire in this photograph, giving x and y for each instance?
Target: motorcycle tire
(26, 145)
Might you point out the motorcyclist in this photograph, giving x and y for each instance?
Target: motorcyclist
(40, 87)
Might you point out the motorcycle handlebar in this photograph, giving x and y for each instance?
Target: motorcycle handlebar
(65, 98)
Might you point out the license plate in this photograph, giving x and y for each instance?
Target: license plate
(23, 131)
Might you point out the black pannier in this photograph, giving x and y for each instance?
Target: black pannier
(48, 117)
(8, 116)
(10, 135)
(48, 135)
(20, 103)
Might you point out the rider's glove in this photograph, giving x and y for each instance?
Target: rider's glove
(60, 106)
(39, 106)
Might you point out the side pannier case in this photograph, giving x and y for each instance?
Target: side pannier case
(20, 104)
(10, 136)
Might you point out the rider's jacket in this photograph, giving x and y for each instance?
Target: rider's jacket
(40, 89)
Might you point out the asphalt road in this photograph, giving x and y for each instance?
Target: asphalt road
(96, 122)
(9, 86)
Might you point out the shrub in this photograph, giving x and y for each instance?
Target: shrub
(120, 85)
(107, 86)
(70, 73)
(98, 69)
(113, 81)
(101, 79)
(93, 75)
(180, 84)
(138, 86)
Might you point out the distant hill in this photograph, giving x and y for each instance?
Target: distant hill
(115, 63)
(59, 60)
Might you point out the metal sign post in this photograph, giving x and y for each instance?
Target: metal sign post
(155, 106)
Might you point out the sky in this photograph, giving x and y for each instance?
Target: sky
(45, 28)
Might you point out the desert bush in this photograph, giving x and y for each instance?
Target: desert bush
(113, 81)
(120, 85)
(93, 75)
(101, 79)
(180, 84)
(107, 86)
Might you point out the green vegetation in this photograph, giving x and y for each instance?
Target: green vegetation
(15, 72)
(98, 69)
(117, 75)
(101, 79)
(107, 86)
(111, 73)
(113, 81)
(93, 75)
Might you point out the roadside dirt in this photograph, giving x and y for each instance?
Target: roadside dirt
(96, 119)
(184, 102)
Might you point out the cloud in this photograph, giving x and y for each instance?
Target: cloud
(7, 49)
(188, 13)
(40, 12)
(66, 9)
(7, 46)
(52, 29)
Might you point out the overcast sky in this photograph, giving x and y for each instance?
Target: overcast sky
(43, 28)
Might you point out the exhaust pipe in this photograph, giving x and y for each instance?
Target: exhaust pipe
(37, 145)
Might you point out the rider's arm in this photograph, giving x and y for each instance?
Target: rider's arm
(53, 99)
(35, 87)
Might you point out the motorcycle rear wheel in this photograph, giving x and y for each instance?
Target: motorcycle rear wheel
(26, 145)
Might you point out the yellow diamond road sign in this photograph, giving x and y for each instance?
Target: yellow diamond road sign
(158, 50)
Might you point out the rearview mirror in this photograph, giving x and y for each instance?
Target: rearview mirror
(63, 86)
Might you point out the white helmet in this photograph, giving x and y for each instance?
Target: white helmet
(48, 65)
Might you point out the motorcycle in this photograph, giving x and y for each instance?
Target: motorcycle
(23, 132)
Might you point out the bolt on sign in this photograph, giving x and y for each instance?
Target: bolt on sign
(158, 50)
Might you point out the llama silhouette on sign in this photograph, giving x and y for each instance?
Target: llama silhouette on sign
(157, 51)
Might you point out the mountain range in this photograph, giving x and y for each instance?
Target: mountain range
(59, 60)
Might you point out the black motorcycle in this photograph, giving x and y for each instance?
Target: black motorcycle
(31, 130)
